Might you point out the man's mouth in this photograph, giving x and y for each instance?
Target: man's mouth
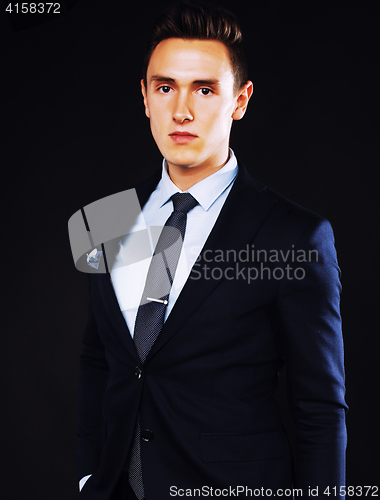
(182, 137)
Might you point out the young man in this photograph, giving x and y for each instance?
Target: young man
(178, 374)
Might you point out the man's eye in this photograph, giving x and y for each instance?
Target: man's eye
(164, 89)
(205, 91)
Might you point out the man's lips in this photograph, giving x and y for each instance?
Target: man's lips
(182, 137)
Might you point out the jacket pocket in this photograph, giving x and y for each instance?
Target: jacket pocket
(243, 447)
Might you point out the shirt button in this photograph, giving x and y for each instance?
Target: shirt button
(138, 372)
(147, 435)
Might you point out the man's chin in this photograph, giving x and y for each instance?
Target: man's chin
(183, 161)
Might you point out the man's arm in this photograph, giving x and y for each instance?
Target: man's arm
(310, 327)
(92, 382)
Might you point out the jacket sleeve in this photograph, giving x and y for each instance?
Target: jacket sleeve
(93, 376)
(310, 327)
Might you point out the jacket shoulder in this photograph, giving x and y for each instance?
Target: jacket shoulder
(287, 217)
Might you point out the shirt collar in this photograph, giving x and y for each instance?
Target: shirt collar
(205, 191)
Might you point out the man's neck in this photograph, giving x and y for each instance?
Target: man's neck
(185, 177)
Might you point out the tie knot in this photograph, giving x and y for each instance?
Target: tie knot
(183, 202)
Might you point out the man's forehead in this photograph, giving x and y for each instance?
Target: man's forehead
(199, 60)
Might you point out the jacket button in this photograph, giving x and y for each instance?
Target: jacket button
(147, 435)
(138, 372)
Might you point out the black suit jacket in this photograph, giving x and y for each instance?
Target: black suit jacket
(207, 386)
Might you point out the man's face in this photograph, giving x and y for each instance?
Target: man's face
(191, 103)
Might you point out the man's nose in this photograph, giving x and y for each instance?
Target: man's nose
(182, 110)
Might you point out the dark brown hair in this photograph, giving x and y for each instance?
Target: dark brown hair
(200, 21)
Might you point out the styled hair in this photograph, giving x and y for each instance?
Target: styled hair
(194, 20)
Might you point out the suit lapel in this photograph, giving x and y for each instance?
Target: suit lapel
(244, 211)
(114, 313)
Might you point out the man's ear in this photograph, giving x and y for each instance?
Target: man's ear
(242, 101)
(143, 90)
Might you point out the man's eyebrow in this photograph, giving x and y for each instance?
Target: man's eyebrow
(162, 78)
(208, 81)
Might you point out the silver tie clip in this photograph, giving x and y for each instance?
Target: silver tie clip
(158, 300)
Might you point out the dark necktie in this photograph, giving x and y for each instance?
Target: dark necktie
(154, 300)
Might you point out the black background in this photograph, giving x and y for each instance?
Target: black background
(75, 131)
